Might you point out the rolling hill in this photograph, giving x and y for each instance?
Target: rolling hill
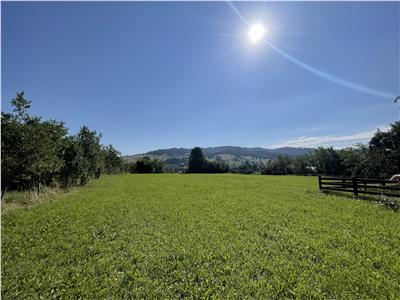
(233, 155)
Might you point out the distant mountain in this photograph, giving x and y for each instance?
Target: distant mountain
(233, 155)
(235, 151)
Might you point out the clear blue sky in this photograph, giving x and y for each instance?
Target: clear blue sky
(159, 75)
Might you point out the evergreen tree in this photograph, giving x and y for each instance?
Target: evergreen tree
(21, 106)
(197, 161)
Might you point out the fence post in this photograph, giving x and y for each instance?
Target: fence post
(355, 187)
(319, 182)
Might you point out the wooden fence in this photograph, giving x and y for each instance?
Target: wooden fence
(358, 186)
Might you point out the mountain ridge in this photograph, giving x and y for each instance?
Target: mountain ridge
(233, 155)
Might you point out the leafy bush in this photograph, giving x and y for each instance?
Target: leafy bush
(390, 203)
(147, 165)
(37, 153)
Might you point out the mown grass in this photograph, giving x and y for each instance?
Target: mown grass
(201, 236)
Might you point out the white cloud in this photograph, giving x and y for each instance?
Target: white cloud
(336, 141)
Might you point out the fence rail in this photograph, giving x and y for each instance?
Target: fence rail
(370, 186)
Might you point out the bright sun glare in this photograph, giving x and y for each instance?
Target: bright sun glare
(256, 33)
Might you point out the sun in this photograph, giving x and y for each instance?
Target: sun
(256, 33)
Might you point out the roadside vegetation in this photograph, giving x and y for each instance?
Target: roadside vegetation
(201, 236)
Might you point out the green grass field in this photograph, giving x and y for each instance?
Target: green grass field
(201, 236)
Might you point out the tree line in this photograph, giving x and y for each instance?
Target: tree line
(37, 153)
(146, 165)
(199, 164)
(380, 158)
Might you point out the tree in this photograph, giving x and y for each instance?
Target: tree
(21, 106)
(113, 162)
(36, 152)
(197, 161)
(44, 144)
(384, 152)
(302, 165)
(30, 148)
(91, 162)
(148, 165)
(216, 167)
(282, 165)
(327, 161)
(355, 161)
(131, 167)
(13, 153)
(72, 155)
(247, 168)
(144, 165)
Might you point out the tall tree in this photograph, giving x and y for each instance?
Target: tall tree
(301, 165)
(36, 152)
(384, 152)
(21, 106)
(148, 165)
(13, 153)
(197, 161)
(46, 138)
(327, 161)
(113, 162)
(30, 151)
(72, 155)
(91, 162)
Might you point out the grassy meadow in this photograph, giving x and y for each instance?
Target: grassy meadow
(201, 236)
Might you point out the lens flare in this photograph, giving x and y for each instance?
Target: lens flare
(256, 33)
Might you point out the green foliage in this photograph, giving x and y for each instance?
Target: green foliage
(199, 236)
(247, 167)
(89, 141)
(384, 152)
(390, 203)
(13, 153)
(302, 165)
(197, 161)
(216, 167)
(380, 159)
(46, 139)
(199, 164)
(281, 166)
(30, 150)
(21, 106)
(131, 167)
(355, 161)
(327, 161)
(37, 153)
(113, 162)
(148, 165)
(72, 154)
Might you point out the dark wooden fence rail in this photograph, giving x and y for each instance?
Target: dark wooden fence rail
(358, 186)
